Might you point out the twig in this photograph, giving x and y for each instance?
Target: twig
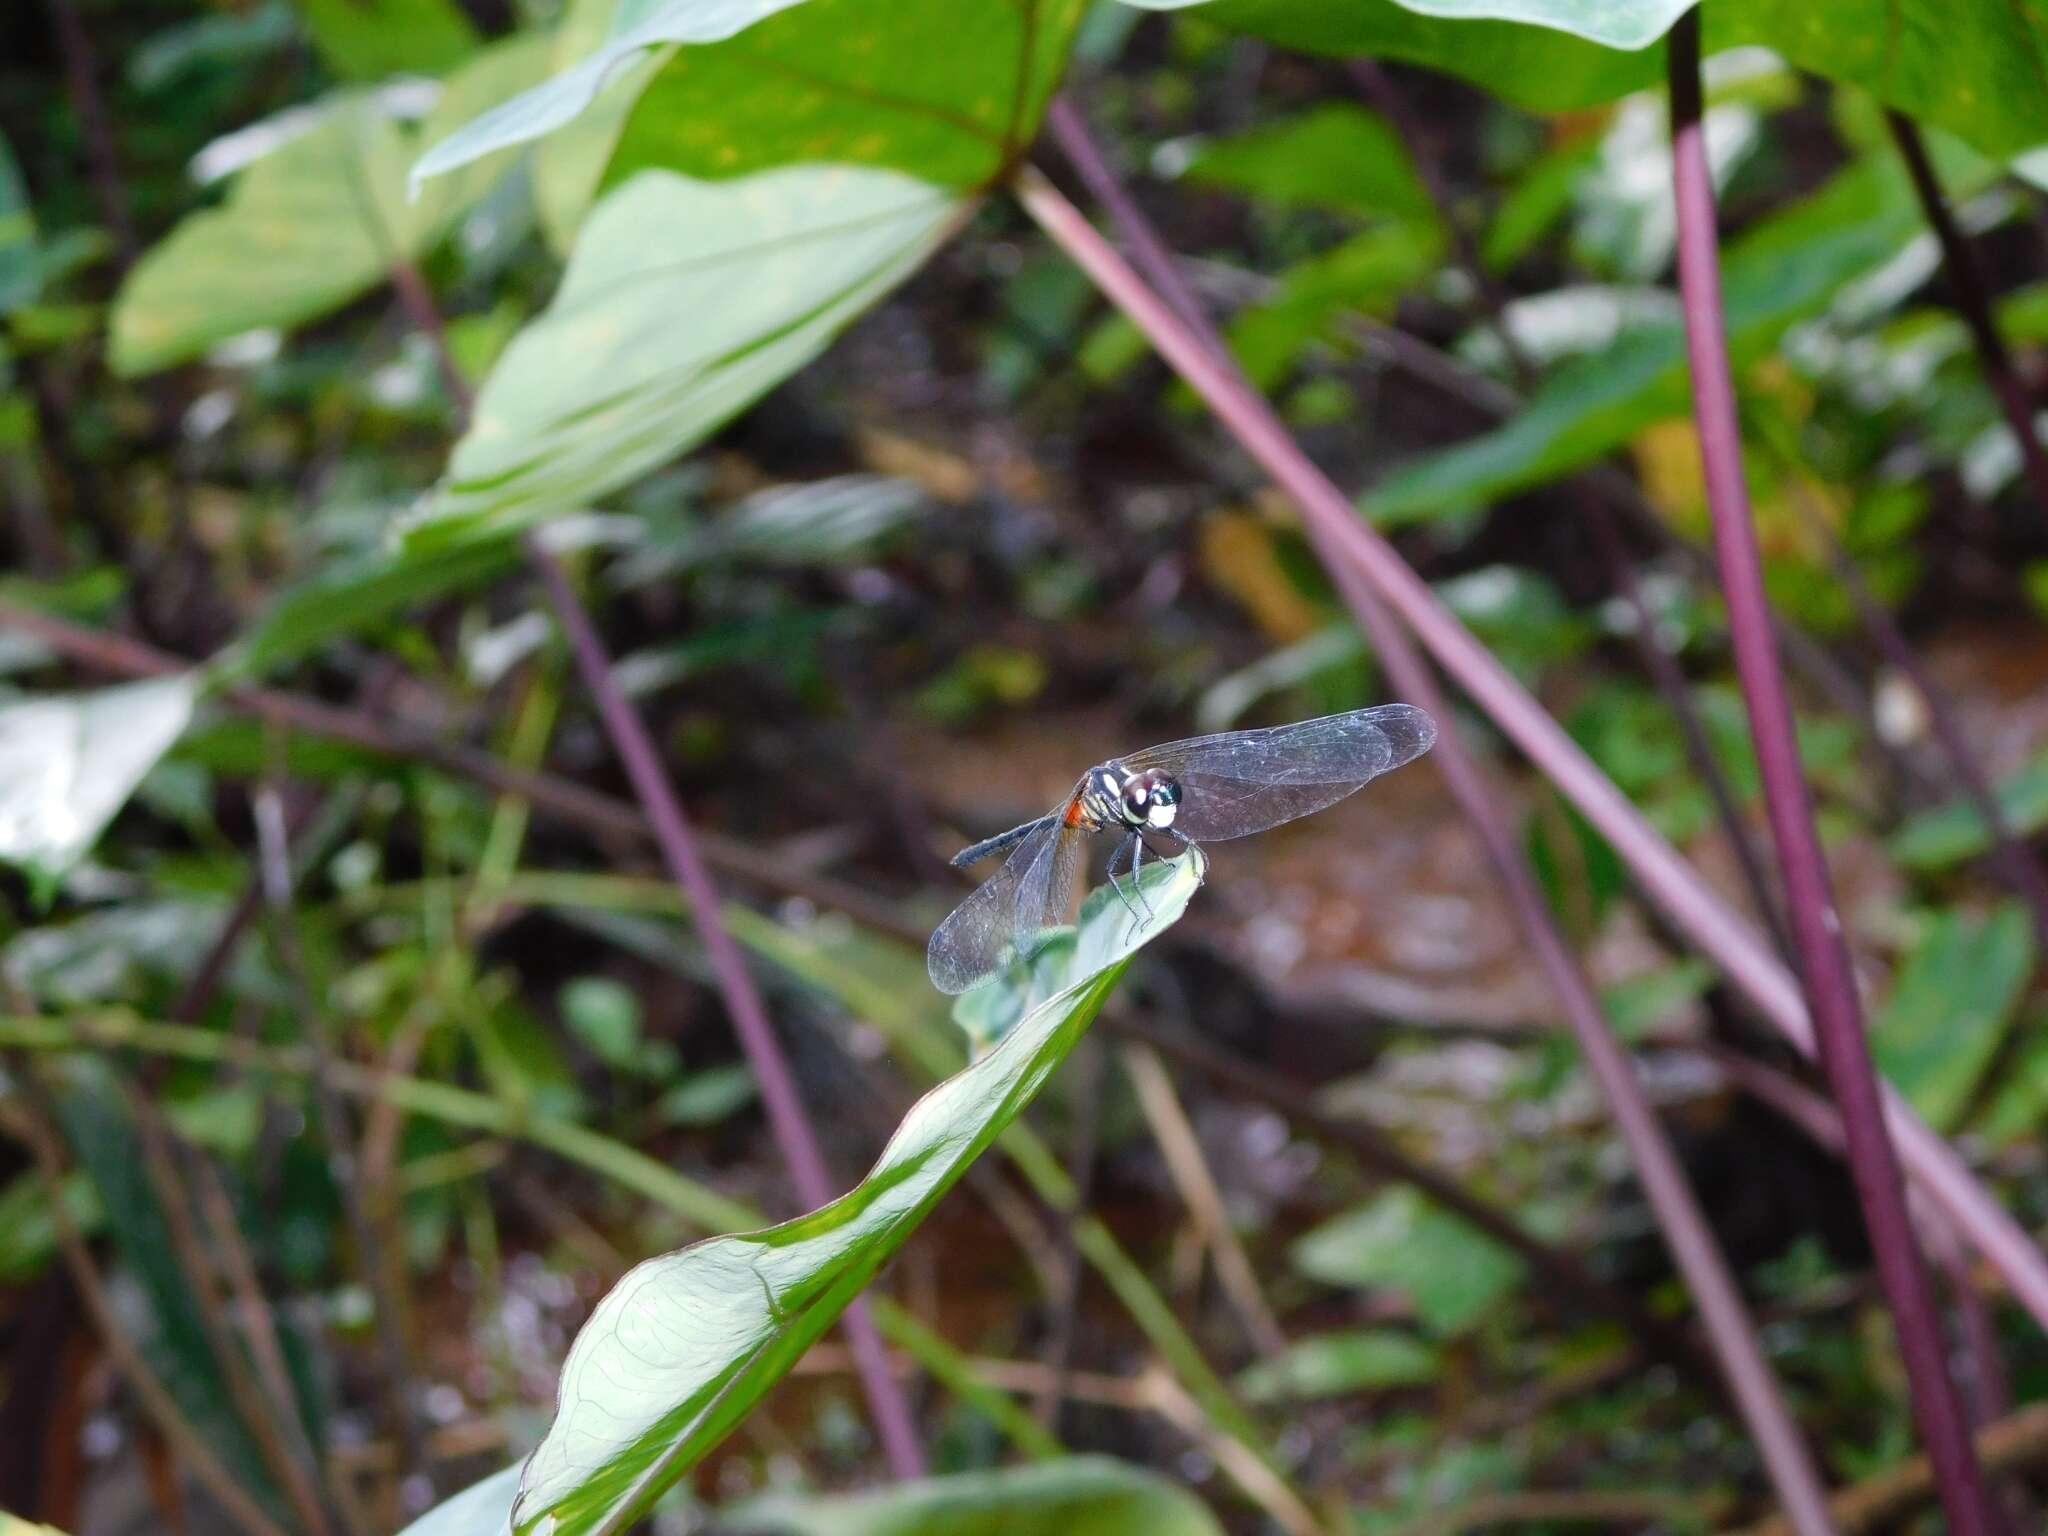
(156, 1401)
(1173, 1403)
(1721, 1307)
(1630, 1510)
(1556, 1270)
(1664, 672)
(402, 1420)
(786, 1115)
(2021, 869)
(1467, 386)
(1198, 1191)
(557, 797)
(259, 1323)
(265, 1418)
(1973, 302)
(1816, 924)
(702, 1207)
(2016, 1441)
(1672, 882)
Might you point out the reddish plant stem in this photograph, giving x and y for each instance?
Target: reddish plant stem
(1738, 1351)
(787, 1119)
(1665, 875)
(1494, 299)
(2021, 869)
(1816, 924)
(1973, 303)
(786, 1115)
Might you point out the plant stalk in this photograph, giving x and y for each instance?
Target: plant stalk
(1816, 924)
(1737, 1348)
(787, 1118)
(1973, 303)
(1494, 301)
(1670, 880)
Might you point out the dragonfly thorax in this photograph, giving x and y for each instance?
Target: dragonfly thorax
(1114, 796)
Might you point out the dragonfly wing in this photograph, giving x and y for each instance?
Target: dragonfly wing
(1031, 892)
(1242, 782)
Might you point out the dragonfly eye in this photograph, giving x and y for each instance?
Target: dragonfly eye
(1150, 799)
(1137, 794)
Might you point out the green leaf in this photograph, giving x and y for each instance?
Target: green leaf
(1450, 1272)
(1951, 1007)
(1537, 200)
(1336, 155)
(686, 1344)
(604, 1015)
(349, 595)
(1635, 1006)
(683, 303)
(948, 91)
(1338, 1364)
(1076, 1496)
(569, 163)
(28, 1226)
(68, 762)
(638, 26)
(369, 39)
(1786, 268)
(1364, 275)
(318, 219)
(1532, 67)
(1978, 68)
(1946, 836)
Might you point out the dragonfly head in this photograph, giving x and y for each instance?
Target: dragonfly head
(1150, 799)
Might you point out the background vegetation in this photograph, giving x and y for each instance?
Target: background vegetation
(535, 529)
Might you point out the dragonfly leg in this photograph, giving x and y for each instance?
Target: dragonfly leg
(1138, 859)
(1122, 849)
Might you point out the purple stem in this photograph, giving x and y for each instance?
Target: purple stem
(1675, 885)
(787, 1119)
(2020, 868)
(1972, 299)
(786, 1115)
(1494, 299)
(1728, 1325)
(1816, 925)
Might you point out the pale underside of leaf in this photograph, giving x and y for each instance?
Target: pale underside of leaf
(680, 1350)
(684, 303)
(320, 219)
(638, 26)
(68, 763)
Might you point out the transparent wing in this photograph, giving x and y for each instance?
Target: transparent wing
(1246, 781)
(1033, 891)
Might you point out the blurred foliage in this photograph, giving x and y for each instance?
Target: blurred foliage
(890, 522)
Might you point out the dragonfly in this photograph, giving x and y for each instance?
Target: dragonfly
(1201, 790)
